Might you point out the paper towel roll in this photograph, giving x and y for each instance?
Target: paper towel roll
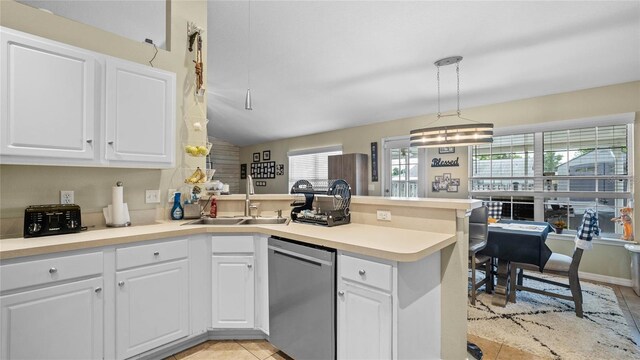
(117, 203)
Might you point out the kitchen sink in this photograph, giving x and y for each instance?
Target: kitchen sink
(238, 221)
(265, 221)
(215, 221)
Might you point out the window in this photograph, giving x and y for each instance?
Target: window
(557, 174)
(403, 174)
(311, 164)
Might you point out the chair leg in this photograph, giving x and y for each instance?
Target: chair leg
(512, 284)
(576, 292)
(473, 280)
(489, 276)
(520, 276)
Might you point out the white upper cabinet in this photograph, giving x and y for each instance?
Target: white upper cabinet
(48, 98)
(140, 113)
(62, 105)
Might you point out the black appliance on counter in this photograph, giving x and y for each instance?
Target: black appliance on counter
(335, 197)
(53, 219)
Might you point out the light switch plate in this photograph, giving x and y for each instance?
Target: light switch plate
(66, 197)
(152, 196)
(383, 215)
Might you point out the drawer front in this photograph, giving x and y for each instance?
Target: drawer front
(151, 253)
(366, 272)
(232, 244)
(39, 272)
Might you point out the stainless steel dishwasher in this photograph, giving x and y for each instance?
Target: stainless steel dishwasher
(302, 300)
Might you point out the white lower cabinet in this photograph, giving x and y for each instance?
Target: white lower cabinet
(152, 307)
(232, 296)
(55, 322)
(364, 323)
(388, 309)
(233, 281)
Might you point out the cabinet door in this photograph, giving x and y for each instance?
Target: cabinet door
(152, 307)
(232, 292)
(47, 99)
(56, 322)
(364, 323)
(140, 113)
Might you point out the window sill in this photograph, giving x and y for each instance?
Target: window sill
(604, 241)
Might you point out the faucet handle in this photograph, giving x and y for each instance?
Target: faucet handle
(279, 212)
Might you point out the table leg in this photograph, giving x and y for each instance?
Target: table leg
(501, 291)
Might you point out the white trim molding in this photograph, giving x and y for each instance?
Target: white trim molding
(605, 279)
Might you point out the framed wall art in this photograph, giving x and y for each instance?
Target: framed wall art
(256, 157)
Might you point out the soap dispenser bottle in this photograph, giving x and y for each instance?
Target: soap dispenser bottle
(177, 211)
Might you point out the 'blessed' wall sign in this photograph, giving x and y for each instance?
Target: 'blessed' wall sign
(438, 162)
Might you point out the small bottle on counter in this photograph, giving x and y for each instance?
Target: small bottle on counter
(213, 211)
(177, 211)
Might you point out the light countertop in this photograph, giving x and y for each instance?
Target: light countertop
(378, 241)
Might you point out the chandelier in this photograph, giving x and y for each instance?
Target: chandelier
(452, 135)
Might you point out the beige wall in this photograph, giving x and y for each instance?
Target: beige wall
(24, 185)
(605, 260)
(614, 99)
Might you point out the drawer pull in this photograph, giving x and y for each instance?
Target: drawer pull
(362, 272)
(98, 290)
(249, 266)
(156, 253)
(341, 293)
(121, 283)
(53, 270)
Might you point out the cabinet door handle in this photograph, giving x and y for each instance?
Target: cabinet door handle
(98, 290)
(156, 253)
(110, 143)
(89, 141)
(341, 293)
(362, 272)
(53, 270)
(249, 266)
(121, 283)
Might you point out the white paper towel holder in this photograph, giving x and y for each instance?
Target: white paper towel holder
(128, 223)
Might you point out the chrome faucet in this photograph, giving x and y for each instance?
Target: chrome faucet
(249, 191)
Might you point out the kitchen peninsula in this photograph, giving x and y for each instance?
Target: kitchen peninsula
(424, 235)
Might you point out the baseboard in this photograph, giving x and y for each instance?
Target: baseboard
(236, 334)
(185, 343)
(605, 279)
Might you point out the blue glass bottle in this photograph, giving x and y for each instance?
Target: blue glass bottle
(177, 211)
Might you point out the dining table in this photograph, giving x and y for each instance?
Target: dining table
(517, 241)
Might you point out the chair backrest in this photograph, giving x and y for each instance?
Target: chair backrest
(494, 208)
(478, 224)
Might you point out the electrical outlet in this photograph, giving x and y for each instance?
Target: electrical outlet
(66, 197)
(170, 195)
(383, 215)
(152, 196)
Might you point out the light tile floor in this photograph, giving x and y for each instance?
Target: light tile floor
(231, 350)
(262, 350)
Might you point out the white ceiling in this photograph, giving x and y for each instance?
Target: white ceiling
(323, 65)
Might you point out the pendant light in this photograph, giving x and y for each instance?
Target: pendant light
(452, 135)
(247, 99)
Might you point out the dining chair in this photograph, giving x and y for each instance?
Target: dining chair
(562, 265)
(478, 233)
(494, 209)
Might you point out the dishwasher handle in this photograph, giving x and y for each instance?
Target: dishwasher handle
(298, 256)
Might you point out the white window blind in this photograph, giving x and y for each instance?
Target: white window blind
(311, 166)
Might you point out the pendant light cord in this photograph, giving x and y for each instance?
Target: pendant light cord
(249, 52)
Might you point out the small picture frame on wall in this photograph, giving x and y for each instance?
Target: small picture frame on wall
(446, 177)
(266, 155)
(452, 188)
(243, 171)
(447, 150)
(256, 157)
(280, 170)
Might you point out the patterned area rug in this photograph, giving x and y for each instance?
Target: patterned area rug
(548, 327)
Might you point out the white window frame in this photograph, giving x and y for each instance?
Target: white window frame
(308, 151)
(385, 164)
(538, 193)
